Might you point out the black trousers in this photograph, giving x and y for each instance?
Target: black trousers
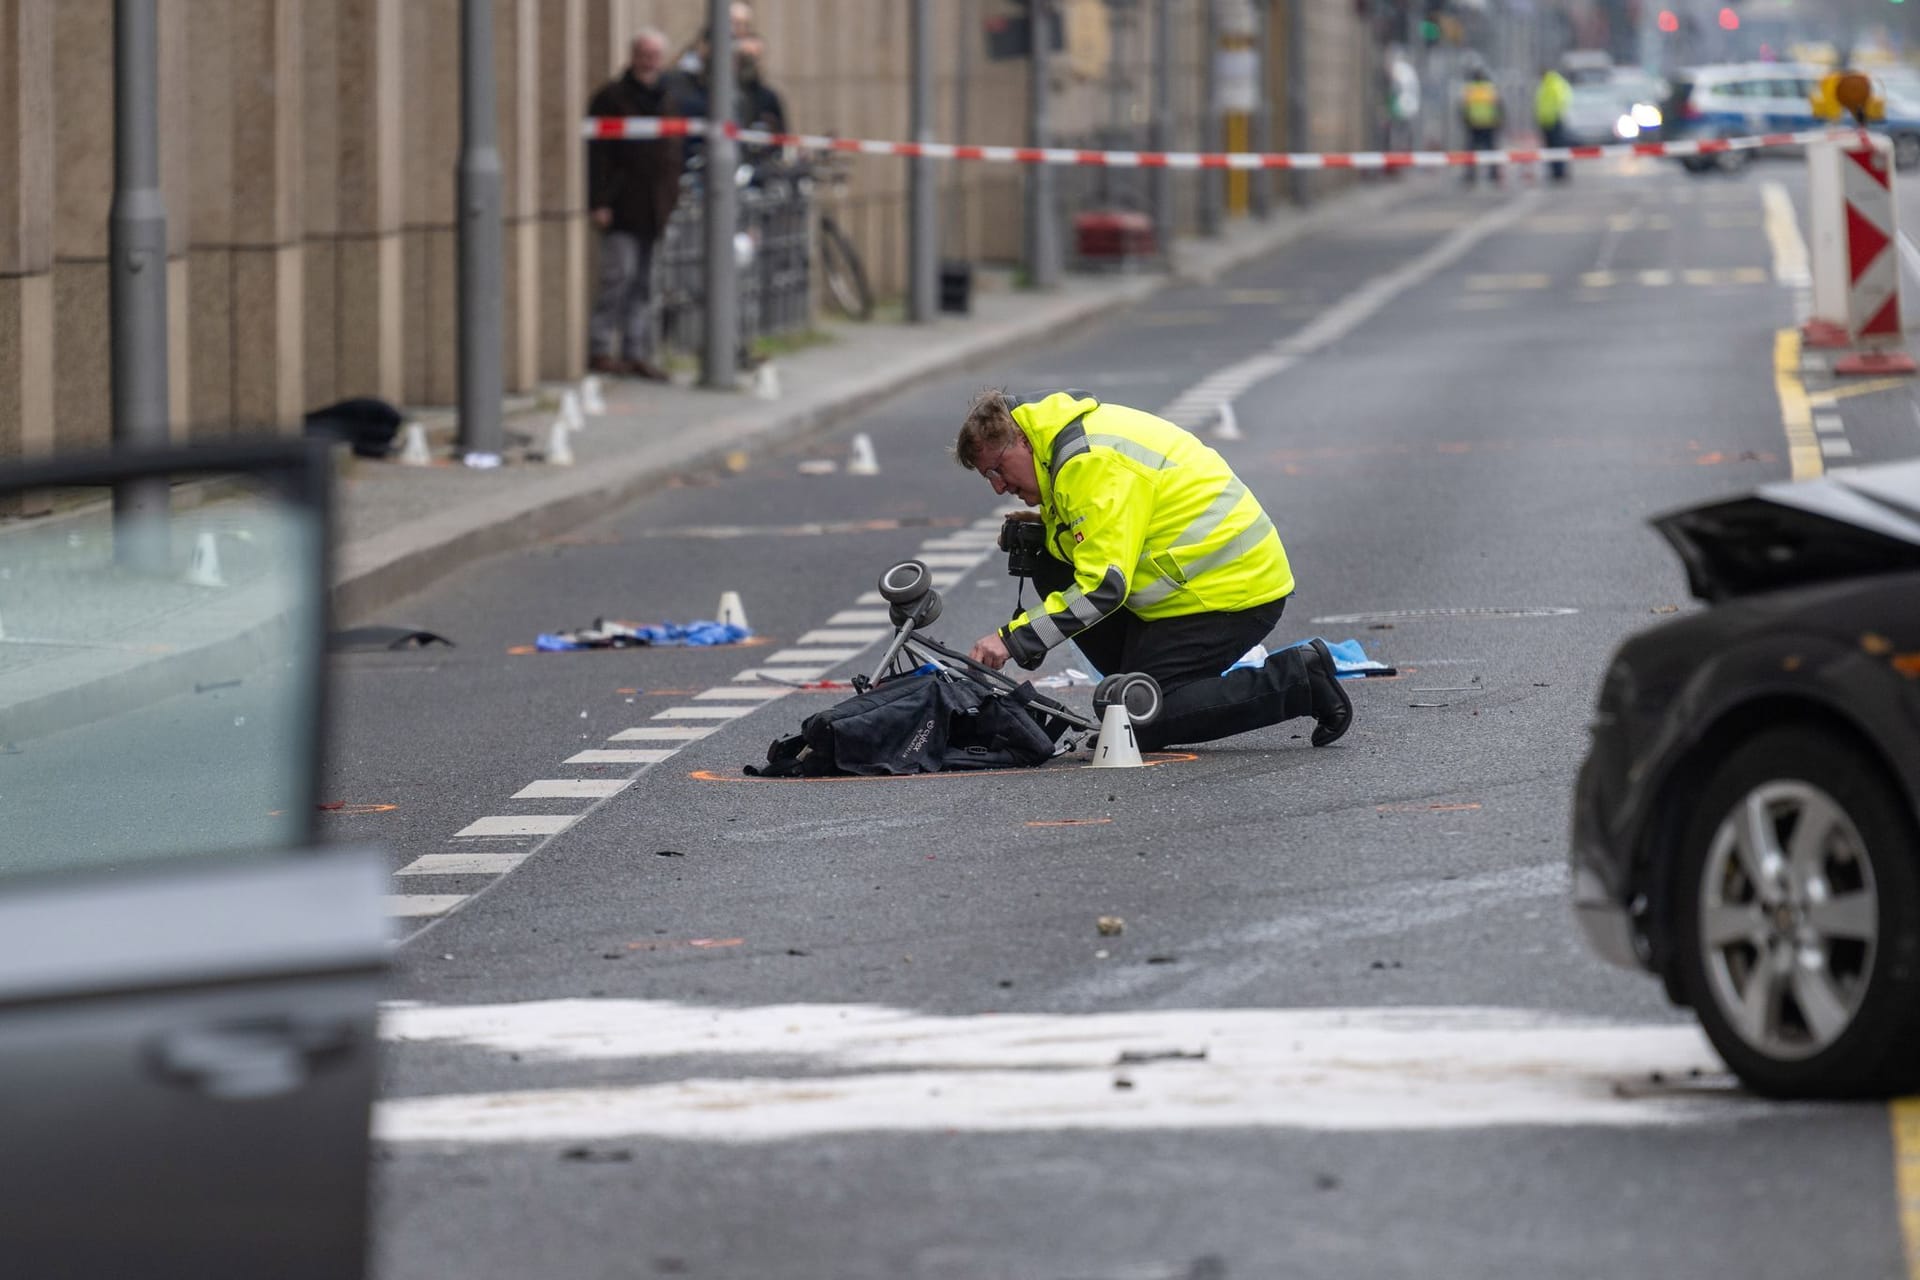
(1186, 656)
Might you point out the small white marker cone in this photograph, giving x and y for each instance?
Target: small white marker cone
(732, 612)
(862, 462)
(570, 411)
(414, 451)
(590, 398)
(204, 570)
(766, 382)
(559, 451)
(1227, 425)
(1116, 748)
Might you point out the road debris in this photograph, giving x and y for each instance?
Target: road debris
(1110, 926)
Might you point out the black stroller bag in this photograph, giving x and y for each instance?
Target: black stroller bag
(920, 723)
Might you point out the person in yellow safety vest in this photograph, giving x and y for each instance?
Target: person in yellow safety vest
(1159, 559)
(1483, 113)
(1550, 103)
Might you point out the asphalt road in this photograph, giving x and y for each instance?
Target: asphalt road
(721, 1027)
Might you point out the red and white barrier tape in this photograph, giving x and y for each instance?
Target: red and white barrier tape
(613, 127)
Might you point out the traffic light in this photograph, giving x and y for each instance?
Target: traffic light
(1669, 21)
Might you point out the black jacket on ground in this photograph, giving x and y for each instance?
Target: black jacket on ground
(638, 179)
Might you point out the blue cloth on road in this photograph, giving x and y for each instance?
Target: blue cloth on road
(618, 635)
(1349, 659)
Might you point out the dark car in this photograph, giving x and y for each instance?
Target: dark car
(1747, 821)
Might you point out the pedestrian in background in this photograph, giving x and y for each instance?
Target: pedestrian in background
(1483, 114)
(1550, 103)
(632, 187)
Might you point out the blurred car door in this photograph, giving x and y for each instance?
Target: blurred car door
(188, 984)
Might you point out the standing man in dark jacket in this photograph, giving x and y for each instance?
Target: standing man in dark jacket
(632, 186)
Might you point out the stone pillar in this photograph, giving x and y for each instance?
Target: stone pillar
(320, 165)
(177, 146)
(431, 38)
(370, 207)
(83, 195)
(210, 327)
(563, 102)
(26, 237)
(516, 70)
(269, 386)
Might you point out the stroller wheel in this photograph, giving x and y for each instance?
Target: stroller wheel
(1103, 695)
(1139, 693)
(923, 612)
(905, 582)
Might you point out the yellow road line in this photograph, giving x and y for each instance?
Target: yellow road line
(1905, 1115)
(1827, 395)
(1783, 233)
(1796, 414)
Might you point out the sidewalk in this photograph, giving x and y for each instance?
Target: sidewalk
(167, 641)
(651, 432)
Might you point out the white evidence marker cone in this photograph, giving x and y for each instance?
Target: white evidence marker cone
(590, 398)
(559, 452)
(863, 462)
(570, 412)
(1227, 425)
(732, 612)
(1117, 748)
(204, 570)
(414, 451)
(766, 382)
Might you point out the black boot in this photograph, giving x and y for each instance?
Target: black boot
(1332, 708)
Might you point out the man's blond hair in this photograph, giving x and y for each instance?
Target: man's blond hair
(989, 425)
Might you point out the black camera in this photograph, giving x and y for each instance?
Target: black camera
(1024, 541)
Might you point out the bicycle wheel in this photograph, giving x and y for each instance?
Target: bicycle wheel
(845, 275)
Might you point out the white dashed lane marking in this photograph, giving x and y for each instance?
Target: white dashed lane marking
(858, 617)
(462, 864)
(813, 655)
(1834, 447)
(727, 693)
(842, 635)
(682, 734)
(572, 788)
(752, 674)
(528, 824)
(701, 713)
(602, 755)
(412, 906)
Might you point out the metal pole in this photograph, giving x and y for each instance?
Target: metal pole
(923, 228)
(1299, 130)
(482, 287)
(137, 234)
(1042, 235)
(719, 363)
(1213, 182)
(1161, 182)
(1261, 190)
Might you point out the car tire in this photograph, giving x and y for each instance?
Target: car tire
(1733, 162)
(1695, 164)
(1906, 151)
(1808, 978)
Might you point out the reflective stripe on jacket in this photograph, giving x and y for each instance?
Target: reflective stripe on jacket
(1480, 103)
(1147, 515)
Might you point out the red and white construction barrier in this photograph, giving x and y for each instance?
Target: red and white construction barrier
(632, 127)
(1855, 256)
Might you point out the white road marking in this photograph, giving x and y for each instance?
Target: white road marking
(843, 635)
(702, 713)
(812, 655)
(524, 824)
(865, 1068)
(665, 733)
(980, 542)
(870, 597)
(951, 559)
(462, 864)
(565, 789)
(778, 674)
(619, 755)
(1834, 447)
(858, 617)
(728, 693)
(1826, 422)
(406, 906)
(945, 579)
(1655, 279)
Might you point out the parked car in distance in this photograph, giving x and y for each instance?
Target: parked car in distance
(1746, 825)
(1742, 99)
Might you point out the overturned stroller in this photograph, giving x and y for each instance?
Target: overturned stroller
(926, 708)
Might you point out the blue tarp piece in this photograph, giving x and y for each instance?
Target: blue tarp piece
(619, 635)
(1349, 659)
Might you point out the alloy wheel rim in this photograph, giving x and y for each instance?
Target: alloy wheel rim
(1789, 919)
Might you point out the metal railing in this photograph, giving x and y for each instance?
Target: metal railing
(775, 288)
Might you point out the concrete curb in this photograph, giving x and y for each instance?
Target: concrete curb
(374, 572)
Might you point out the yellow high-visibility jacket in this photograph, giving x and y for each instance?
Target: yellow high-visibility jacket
(1552, 99)
(1480, 104)
(1149, 517)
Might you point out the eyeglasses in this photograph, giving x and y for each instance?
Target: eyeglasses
(994, 472)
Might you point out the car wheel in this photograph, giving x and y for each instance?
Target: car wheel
(1695, 164)
(1798, 927)
(1906, 151)
(1733, 161)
